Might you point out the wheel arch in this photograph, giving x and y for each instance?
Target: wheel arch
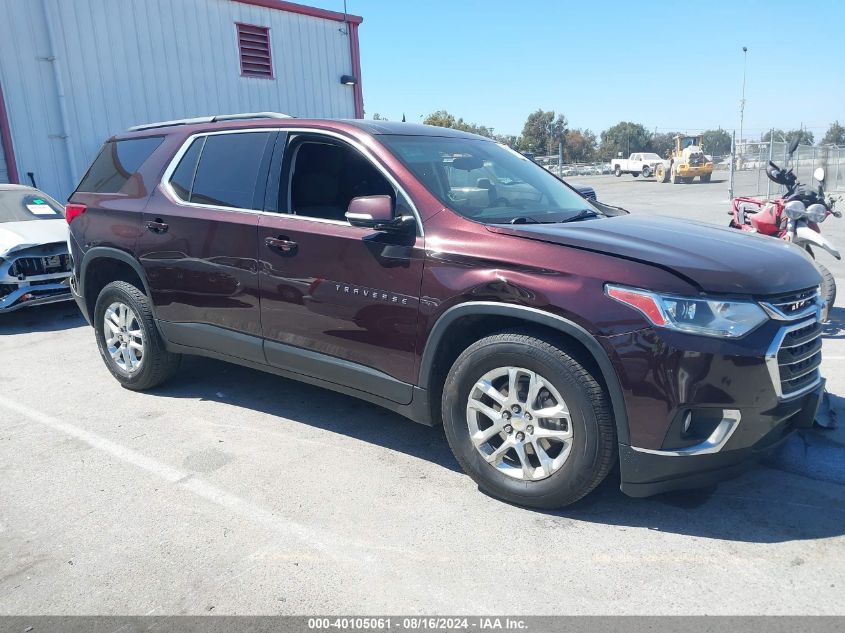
(468, 322)
(102, 265)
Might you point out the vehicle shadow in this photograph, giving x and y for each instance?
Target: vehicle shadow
(763, 505)
(263, 392)
(835, 326)
(52, 317)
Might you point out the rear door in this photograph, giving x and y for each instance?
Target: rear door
(199, 242)
(337, 302)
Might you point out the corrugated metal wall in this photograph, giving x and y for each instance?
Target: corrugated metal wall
(124, 62)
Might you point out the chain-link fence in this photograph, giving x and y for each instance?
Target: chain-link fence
(751, 159)
(569, 169)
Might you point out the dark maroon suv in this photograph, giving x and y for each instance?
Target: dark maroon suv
(448, 278)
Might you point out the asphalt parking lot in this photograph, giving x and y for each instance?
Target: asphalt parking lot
(230, 491)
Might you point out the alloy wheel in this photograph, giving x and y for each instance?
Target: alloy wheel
(519, 423)
(124, 337)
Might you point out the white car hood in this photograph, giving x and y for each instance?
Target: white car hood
(15, 236)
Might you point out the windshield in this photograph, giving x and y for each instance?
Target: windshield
(651, 157)
(487, 182)
(19, 205)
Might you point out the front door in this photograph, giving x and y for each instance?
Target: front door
(199, 243)
(338, 302)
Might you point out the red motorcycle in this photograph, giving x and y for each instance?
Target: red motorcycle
(794, 217)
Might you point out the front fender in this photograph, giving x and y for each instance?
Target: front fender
(805, 235)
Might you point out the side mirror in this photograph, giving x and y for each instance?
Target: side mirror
(818, 174)
(376, 212)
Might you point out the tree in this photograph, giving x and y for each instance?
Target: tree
(776, 135)
(543, 131)
(835, 134)
(579, 146)
(442, 118)
(511, 140)
(625, 137)
(717, 142)
(805, 137)
(662, 142)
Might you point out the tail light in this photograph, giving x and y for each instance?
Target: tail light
(73, 211)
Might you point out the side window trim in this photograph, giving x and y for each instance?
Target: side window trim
(284, 133)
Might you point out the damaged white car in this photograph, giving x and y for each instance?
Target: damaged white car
(34, 261)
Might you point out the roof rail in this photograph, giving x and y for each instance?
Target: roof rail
(212, 119)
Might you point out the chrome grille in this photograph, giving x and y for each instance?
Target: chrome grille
(796, 358)
(792, 305)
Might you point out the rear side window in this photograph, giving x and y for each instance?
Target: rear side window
(116, 163)
(183, 175)
(228, 170)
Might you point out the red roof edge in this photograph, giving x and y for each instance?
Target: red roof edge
(6, 141)
(314, 12)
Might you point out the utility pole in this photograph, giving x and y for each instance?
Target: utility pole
(742, 101)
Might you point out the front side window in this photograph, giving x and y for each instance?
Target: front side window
(116, 163)
(228, 170)
(325, 176)
(485, 181)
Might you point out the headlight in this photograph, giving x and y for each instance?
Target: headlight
(709, 317)
(816, 212)
(795, 209)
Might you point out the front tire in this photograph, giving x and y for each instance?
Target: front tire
(129, 342)
(527, 421)
(828, 288)
(646, 171)
(618, 171)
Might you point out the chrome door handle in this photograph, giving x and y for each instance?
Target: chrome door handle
(281, 244)
(157, 226)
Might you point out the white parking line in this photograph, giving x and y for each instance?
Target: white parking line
(327, 544)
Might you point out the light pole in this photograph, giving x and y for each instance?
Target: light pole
(742, 101)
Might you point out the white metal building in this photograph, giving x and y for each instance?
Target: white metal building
(74, 72)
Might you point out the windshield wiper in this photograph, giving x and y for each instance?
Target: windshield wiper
(581, 215)
(522, 219)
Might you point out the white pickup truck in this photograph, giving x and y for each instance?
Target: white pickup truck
(639, 163)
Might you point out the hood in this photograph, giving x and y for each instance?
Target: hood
(15, 236)
(717, 260)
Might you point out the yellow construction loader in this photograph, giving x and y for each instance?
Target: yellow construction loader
(686, 161)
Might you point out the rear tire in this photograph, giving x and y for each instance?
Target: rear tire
(706, 177)
(635, 173)
(132, 349)
(828, 288)
(674, 177)
(553, 475)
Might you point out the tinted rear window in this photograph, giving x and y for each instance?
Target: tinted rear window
(183, 175)
(116, 163)
(228, 170)
(19, 205)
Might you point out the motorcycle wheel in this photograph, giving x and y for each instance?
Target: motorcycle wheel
(828, 288)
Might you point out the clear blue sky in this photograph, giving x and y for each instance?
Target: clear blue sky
(670, 65)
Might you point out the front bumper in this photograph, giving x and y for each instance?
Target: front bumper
(759, 432)
(701, 409)
(28, 295)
